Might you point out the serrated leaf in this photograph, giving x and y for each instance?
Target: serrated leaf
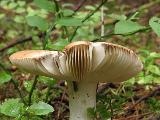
(11, 107)
(69, 22)
(45, 4)
(154, 22)
(4, 77)
(40, 108)
(36, 21)
(117, 17)
(127, 27)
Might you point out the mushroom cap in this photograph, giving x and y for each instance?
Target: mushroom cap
(82, 60)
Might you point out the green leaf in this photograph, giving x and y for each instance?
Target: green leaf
(148, 79)
(60, 44)
(101, 109)
(19, 19)
(12, 5)
(20, 10)
(45, 4)
(21, 3)
(117, 17)
(47, 80)
(153, 105)
(30, 118)
(4, 77)
(40, 108)
(69, 22)
(90, 7)
(127, 27)
(91, 113)
(154, 22)
(36, 21)
(154, 55)
(130, 82)
(157, 80)
(153, 69)
(11, 107)
(2, 15)
(151, 57)
(28, 85)
(67, 12)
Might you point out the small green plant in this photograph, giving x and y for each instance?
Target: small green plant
(47, 17)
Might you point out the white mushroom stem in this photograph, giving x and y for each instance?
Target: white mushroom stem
(82, 99)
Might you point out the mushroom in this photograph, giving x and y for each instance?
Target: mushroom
(83, 64)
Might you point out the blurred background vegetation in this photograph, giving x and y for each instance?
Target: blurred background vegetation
(44, 24)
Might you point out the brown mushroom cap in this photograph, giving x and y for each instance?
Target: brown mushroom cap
(39, 62)
(82, 60)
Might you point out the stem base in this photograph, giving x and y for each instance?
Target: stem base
(81, 99)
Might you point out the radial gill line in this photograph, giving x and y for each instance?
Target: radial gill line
(78, 61)
(75, 64)
(84, 62)
(82, 70)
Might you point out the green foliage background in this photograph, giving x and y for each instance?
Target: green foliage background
(52, 25)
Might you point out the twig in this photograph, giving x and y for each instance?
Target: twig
(105, 86)
(18, 90)
(92, 13)
(47, 94)
(105, 36)
(153, 93)
(111, 108)
(143, 7)
(47, 34)
(112, 34)
(19, 41)
(31, 91)
(60, 15)
(86, 18)
(79, 6)
(135, 116)
(57, 8)
(148, 5)
(64, 92)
